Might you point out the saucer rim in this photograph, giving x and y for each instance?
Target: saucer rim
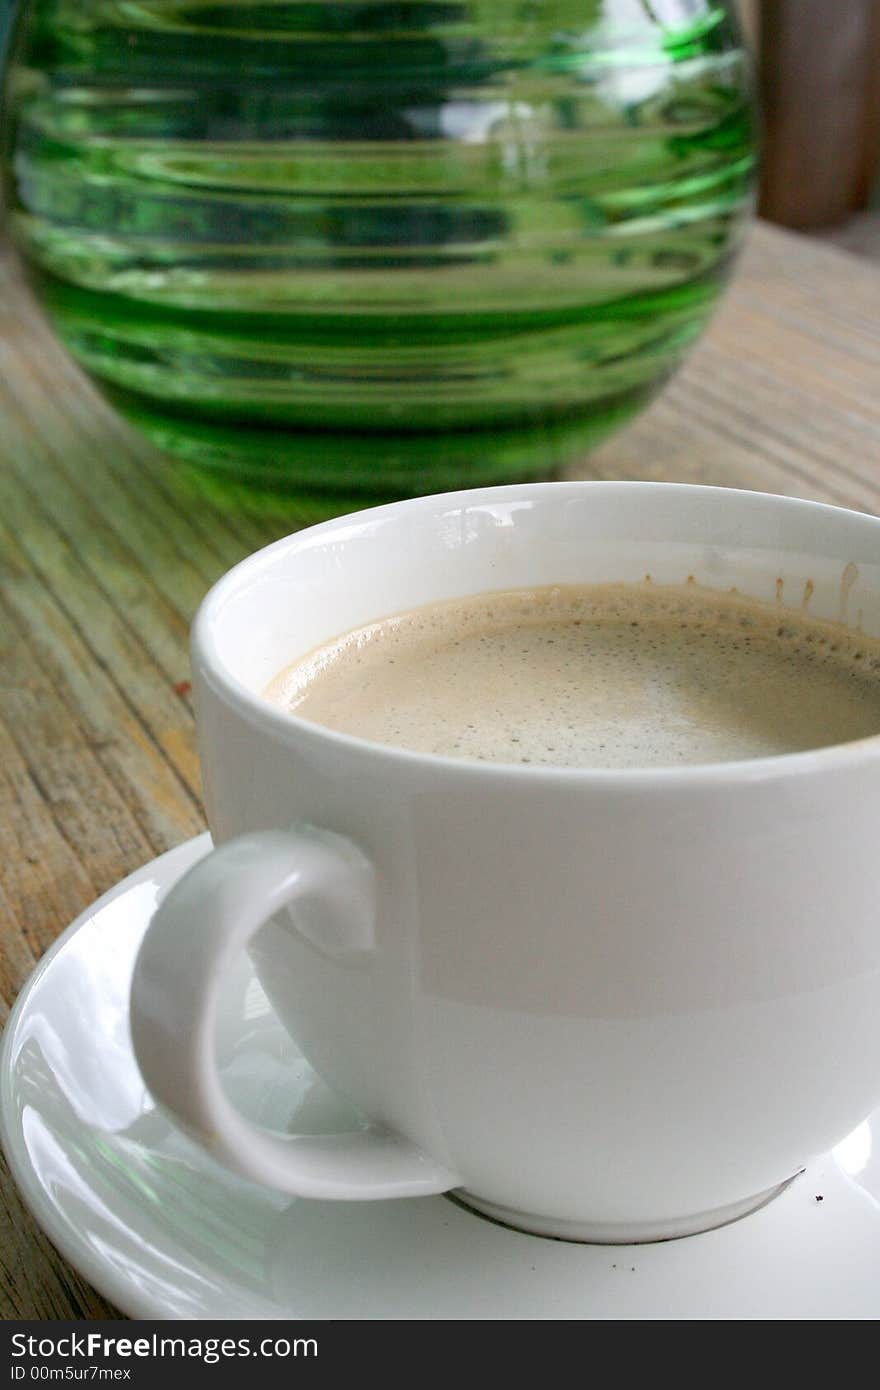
(122, 1294)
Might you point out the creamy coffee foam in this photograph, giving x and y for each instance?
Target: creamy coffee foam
(603, 676)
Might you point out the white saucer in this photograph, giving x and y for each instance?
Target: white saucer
(164, 1232)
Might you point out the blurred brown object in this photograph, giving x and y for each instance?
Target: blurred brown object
(819, 85)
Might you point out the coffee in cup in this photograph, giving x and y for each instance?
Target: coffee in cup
(602, 676)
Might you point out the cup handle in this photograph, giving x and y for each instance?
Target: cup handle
(205, 921)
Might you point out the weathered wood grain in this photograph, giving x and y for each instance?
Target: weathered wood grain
(105, 553)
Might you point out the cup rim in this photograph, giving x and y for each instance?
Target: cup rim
(258, 712)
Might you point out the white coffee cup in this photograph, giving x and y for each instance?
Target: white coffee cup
(604, 1005)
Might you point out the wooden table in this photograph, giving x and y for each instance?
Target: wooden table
(102, 567)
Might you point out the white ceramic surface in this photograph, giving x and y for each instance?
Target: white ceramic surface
(165, 1232)
(610, 1005)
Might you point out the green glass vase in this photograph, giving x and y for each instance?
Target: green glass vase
(377, 246)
